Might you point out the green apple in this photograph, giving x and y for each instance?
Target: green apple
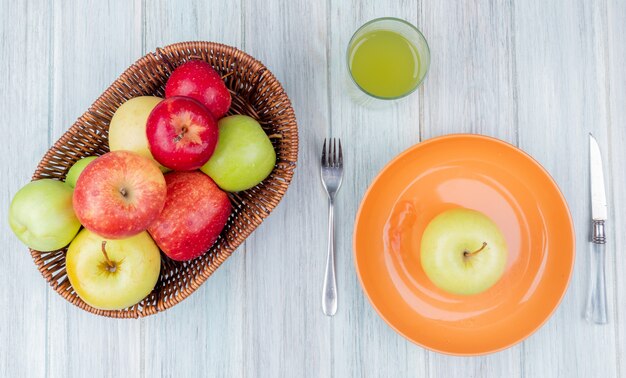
(112, 274)
(244, 155)
(41, 215)
(463, 251)
(127, 130)
(77, 169)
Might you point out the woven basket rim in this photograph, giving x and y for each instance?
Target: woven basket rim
(289, 163)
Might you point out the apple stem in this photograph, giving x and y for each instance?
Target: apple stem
(468, 253)
(181, 135)
(227, 75)
(110, 264)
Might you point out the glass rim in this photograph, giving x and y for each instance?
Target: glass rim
(394, 19)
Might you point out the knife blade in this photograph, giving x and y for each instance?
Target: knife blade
(598, 194)
(596, 310)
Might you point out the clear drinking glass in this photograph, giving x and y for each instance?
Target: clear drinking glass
(388, 58)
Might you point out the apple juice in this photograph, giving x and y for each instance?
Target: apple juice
(385, 64)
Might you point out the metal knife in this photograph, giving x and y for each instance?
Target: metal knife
(596, 299)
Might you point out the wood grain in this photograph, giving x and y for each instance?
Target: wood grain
(24, 106)
(615, 79)
(471, 89)
(560, 55)
(287, 334)
(80, 344)
(203, 335)
(541, 75)
(371, 134)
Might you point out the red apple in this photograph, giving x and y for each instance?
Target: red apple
(119, 194)
(182, 134)
(198, 80)
(195, 212)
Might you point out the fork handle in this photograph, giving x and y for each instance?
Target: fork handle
(329, 295)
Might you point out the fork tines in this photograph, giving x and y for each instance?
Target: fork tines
(332, 157)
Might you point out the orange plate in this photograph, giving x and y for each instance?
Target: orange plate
(479, 173)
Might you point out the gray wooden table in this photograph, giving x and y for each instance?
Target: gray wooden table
(539, 74)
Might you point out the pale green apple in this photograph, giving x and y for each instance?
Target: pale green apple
(77, 169)
(114, 276)
(41, 215)
(463, 251)
(244, 155)
(127, 130)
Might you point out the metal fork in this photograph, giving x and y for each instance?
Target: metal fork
(332, 174)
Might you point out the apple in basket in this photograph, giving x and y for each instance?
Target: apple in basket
(112, 274)
(41, 215)
(77, 169)
(463, 251)
(182, 134)
(244, 155)
(119, 194)
(195, 213)
(198, 80)
(127, 130)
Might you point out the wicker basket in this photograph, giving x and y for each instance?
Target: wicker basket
(255, 92)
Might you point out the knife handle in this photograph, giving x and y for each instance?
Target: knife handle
(596, 300)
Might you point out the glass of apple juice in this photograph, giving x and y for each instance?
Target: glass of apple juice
(388, 58)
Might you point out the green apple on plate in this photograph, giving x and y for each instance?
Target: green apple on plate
(463, 251)
(112, 274)
(41, 215)
(77, 169)
(244, 155)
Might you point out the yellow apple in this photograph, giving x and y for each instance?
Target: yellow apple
(127, 130)
(463, 251)
(112, 274)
